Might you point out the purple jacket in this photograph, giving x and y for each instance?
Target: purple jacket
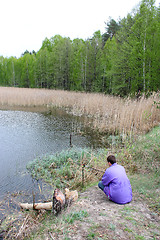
(117, 184)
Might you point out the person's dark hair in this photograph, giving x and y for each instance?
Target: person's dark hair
(111, 159)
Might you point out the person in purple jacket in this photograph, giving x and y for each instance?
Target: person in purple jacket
(115, 183)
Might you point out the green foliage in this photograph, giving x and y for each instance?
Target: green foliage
(112, 28)
(147, 149)
(63, 169)
(91, 236)
(122, 61)
(157, 104)
(112, 226)
(141, 159)
(138, 237)
(73, 216)
(128, 230)
(142, 155)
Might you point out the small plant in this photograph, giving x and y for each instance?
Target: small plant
(91, 236)
(127, 229)
(157, 103)
(112, 226)
(102, 214)
(125, 211)
(138, 237)
(70, 218)
(132, 220)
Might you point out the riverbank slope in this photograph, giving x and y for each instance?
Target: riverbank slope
(92, 216)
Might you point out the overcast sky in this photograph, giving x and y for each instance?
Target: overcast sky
(24, 24)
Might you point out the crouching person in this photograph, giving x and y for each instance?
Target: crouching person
(115, 183)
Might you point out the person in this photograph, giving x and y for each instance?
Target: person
(115, 183)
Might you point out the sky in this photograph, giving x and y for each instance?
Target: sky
(24, 24)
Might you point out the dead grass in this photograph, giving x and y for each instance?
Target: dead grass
(108, 113)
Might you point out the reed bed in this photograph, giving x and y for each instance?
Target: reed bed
(106, 113)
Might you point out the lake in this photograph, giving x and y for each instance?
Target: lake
(25, 136)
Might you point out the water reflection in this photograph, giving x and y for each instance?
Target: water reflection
(27, 135)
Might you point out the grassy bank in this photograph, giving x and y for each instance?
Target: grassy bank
(104, 113)
(141, 160)
(146, 181)
(140, 157)
(64, 169)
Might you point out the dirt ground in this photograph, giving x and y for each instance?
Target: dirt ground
(107, 220)
(104, 220)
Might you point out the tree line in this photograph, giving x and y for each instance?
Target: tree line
(122, 61)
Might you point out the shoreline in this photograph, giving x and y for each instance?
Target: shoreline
(117, 115)
(142, 191)
(135, 156)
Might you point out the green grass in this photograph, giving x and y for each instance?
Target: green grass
(64, 169)
(91, 236)
(145, 182)
(60, 224)
(141, 160)
(112, 226)
(128, 230)
(138, 237)
(147, 152)
(73, 216)
(142, 156)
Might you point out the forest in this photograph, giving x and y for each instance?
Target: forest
(122, 61)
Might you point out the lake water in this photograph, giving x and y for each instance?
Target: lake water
(25, 136)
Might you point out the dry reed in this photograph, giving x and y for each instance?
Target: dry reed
(108, 113)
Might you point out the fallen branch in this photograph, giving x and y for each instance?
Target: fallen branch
(22, 227)
(59, 201)
(51, 235)
(37, 206)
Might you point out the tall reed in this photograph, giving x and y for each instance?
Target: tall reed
(108, 113)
